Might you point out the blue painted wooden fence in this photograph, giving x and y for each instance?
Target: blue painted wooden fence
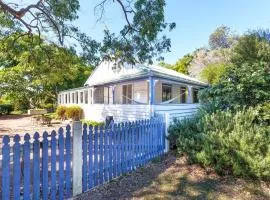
(112, 151)
(41, 167)
(38, 167)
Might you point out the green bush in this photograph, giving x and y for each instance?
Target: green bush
(230, 142)
(61, 112)
(5, 109)
(93, 123)
(74, 112)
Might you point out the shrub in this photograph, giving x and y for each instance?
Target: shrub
(230, 142)
(93, 123)
(61, 112)
(5, 109)
(74, 112)
(49, 107)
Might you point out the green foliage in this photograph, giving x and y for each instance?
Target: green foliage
(61, 112)
(74, 112)
(140, 39)
(93, 123)
(246, 81)
(183, 64)
(230, 142)
(222, 37)
(6, 109)
(31, 75)
(213, 72)
(166, 65)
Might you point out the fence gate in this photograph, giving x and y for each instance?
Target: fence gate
(66, 163)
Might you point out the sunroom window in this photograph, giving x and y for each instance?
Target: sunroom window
(166, 92)
(195, 95)
(183, 95)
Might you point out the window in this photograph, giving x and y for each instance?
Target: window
(183, 94)
(81, 97)
(77, 97)
(73, 98)
(69, 98)
(127, 94)
(166, 92)
(66, 98)
(195, 95)
(86, 97)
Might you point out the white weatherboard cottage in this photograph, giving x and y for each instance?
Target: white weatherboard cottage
(128, 92)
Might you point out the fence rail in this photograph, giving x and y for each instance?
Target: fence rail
(42, 167)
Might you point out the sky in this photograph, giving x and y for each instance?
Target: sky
(195, 20)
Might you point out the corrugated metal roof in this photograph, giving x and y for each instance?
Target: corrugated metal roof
(105, 74)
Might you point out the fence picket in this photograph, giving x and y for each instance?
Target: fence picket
(6, 168)
(122, 149)
(26, 167)
(84, 147)
(17, 168)
(36, 168)
(110, 154)
(68, 162)
(53, 165)
(61, 178)
(90, 150)
(106, 155)
(96, 156)
(45, 166)
(143, 142)
(101, 154)
(114, 151)
(118, 145)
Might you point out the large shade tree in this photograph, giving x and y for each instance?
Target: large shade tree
(31, 75)
(140, 40)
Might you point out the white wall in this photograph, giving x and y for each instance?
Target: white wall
(178, 111)
(120, 113)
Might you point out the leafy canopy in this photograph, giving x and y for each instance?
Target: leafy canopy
(213, 72)
(140, 40)
(247, 81)
(183, 64)
(222, 37)
(31, 75)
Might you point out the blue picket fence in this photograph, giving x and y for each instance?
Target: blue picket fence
(38, 167)
(41, 167)
(111, 152)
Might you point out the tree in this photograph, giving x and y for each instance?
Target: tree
(138, 41)
(183, 64)
(213, 72)
(222, 37)
(31, 75)
(246, 82)
(166, 65)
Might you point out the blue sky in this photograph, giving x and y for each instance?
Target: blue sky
(195, 20)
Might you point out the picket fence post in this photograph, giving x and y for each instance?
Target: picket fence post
(167, 124)
(77, 157)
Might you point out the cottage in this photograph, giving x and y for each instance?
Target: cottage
(128, 92)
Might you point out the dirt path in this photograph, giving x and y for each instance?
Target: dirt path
(172, 178)
(21, 124)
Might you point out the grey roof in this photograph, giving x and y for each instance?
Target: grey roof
(104, 74)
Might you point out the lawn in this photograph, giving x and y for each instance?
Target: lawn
(173, 178)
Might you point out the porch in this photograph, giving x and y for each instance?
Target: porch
(134, 100)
